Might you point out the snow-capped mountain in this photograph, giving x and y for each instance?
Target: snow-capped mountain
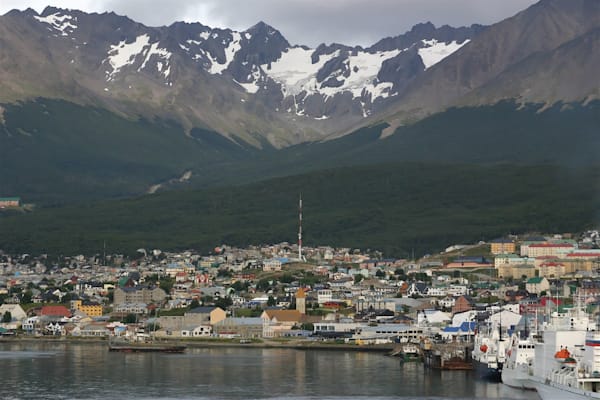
(122, 61)
(311, 81)
(255, 86)
(295, 79)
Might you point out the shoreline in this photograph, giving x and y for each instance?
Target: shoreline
(209, 343)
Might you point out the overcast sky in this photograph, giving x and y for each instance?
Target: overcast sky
(309, 22)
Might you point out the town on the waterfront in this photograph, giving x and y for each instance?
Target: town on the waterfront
(520, 310)
(157, 160)
(281, 292)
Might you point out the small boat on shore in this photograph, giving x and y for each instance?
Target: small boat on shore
(407, 352)
(140, 346)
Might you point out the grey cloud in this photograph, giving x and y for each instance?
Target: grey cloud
(315, 21)
(312, 22)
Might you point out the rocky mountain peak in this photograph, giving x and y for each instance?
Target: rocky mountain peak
(262, 28)
(220, 78)
(49, 10)
(263, 34)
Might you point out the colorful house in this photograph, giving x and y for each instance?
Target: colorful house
(502, 246)
(6, 202)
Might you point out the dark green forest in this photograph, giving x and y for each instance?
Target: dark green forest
(464, 175)
(55, 152)
(395, 207)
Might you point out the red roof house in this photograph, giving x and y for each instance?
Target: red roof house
(56, 311)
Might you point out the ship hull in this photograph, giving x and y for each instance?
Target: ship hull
(485, 372)
(146, 348)
(517, 378)
(555, 392)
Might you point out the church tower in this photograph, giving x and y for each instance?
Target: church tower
(301, 301)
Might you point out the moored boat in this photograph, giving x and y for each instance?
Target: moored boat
(567, 359)
(518, 364)
(410, 352)
(137, 346)
(488, 353)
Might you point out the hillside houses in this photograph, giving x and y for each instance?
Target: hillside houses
(264, 293)
(549, 258)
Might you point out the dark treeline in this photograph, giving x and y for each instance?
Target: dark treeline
(397, 208)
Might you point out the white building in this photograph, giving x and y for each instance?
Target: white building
(16, 311)
(509, 259)
(391, 332)
(505, 318)
(331, 327)
(197, 331)
(29, 325)
(457, 290)
(447, 302)
(438, 291)
(132, 308)
(433, 317)
(272, 265)
(324, 296)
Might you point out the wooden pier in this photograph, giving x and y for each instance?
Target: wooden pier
(448, 356)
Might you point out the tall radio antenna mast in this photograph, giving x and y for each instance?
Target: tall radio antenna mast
(300, 228)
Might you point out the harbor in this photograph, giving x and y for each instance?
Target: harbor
(228, 373)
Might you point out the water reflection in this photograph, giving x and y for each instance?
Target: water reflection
(89, 371)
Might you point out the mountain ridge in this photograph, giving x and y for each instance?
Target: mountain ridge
(255, 85)
(98, 106)
(542, 27)
(115, 62)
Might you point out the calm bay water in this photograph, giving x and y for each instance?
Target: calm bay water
(90, 371)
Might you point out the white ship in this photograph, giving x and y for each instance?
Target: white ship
(518, 365)
(488, 353)
(567, 358)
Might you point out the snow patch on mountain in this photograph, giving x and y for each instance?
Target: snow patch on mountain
(165, 55)
(295, 71)
(364, 68)
(62, 23)
(379, 89)
(233, 47)
(435, 51)
(255, 79)
(249, 87)
(125, 53)
(297, 74)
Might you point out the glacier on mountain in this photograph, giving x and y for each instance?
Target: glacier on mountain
(435, 51)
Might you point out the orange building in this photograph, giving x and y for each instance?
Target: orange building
(502, 246)
(92, 309)
(6, 202)
(89, 308)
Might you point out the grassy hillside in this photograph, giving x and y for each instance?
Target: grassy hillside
(55, 152)
(506, 132)
(397, 208)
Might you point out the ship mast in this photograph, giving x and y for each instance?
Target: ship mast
(300, 228)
